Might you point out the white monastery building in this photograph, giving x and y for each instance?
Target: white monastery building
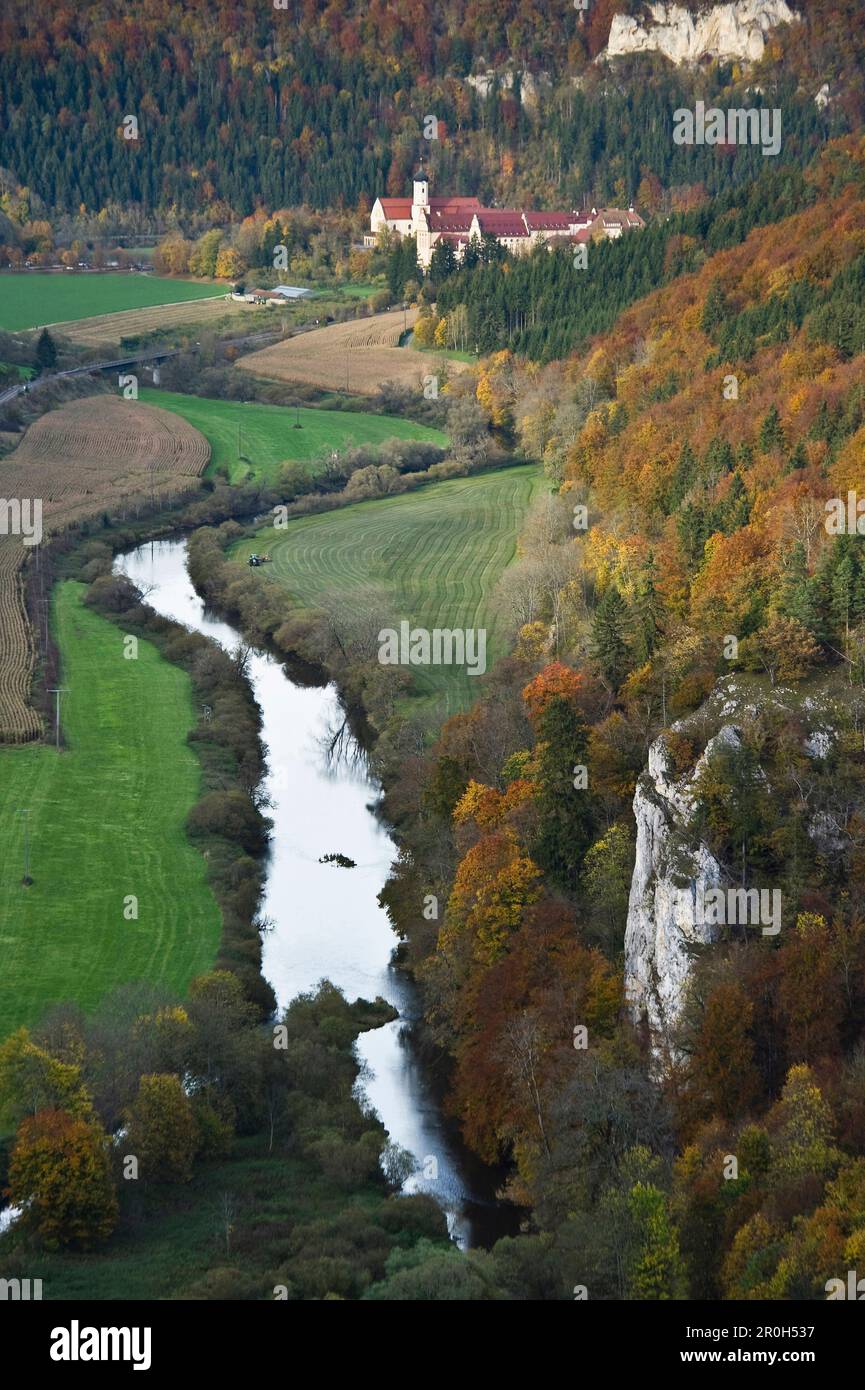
(460, 220)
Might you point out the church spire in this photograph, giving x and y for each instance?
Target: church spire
(420, 189)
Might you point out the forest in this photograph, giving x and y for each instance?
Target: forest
(278, 108)
(675, 694)
(701, 435)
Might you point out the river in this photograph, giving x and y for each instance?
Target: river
(326, 921)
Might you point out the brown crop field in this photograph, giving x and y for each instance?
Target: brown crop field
(133, 323)
(354, 357)
(18, 721)
(93, 455)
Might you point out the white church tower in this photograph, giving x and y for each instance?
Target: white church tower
(419, 196)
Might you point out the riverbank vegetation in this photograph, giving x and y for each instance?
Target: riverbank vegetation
(694, 448)
(678, 520)
(432, 557)
(254, 441)
(175, 1148)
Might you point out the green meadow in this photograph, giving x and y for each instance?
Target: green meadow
(106, 820)
(435, 555)
(33, 298)
(251, 440)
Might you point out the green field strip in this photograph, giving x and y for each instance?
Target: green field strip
(107, 818)
(437, 554)
(32, 298)
(266, 434)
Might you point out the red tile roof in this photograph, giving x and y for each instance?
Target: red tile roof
(470, 204)
(502, 222)
(399, 209)
(549, 221)
(452, 217)
(448, 221)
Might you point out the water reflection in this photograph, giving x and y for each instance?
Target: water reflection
(326, 921)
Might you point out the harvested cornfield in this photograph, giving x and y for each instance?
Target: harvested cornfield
(99, 454)
(354, 357)
(18, 721)
(134, 323)
(381, 330)
(109, 437)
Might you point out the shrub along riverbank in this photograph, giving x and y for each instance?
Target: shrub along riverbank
(168, 1147)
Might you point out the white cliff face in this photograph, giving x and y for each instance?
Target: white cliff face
(733, 31)
(532, 86)
(662, 918)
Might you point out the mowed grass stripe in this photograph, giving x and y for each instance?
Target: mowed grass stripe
(267, 434)
(106, 820)
(437, 554)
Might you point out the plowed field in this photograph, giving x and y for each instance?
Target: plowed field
(96, 454)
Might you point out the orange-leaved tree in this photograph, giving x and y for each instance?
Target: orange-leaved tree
(60, 1174)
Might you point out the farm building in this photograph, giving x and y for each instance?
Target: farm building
(459, 220)
(281, 294)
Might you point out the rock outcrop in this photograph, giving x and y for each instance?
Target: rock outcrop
(730, 32)
(533, 86)
(665, 889)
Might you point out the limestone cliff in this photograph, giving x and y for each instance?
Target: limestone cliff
(733, 31)
(662, 918)
(674, 872)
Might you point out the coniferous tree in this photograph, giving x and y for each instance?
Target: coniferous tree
(798, 458)
(609, 637)
(771, 431)
(442, 262)
(564, 809)
(735, 511)
(714, 310)
(45, 357)
(798, 592)
(684, 476)
(647, 611)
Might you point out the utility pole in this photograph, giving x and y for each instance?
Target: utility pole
(24, 813)
(43, 603)
(57, 691)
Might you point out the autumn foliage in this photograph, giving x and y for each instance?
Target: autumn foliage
(59, 1173)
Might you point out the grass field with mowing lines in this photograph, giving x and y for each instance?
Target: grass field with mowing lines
(106, 819)
(35, 298)
(437, 553)
(268, 437)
